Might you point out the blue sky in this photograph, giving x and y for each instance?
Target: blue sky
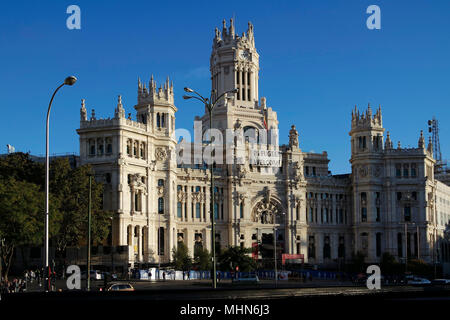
(318, 60)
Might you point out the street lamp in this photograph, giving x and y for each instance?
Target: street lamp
(209, 105)
(68, 81)
(88, 271)
(275, 251)
(406, 242)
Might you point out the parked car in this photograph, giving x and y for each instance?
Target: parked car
(246, 278)
(109, 276)
(419, 282)
(440, 282)
(94, 275)
(120, 287)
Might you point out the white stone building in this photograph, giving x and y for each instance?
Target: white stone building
(158, 202)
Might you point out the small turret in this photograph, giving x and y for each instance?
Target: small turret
(119, 112)
(154, 95)
(388, 143)
(421, 143)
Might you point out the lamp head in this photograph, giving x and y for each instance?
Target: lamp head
(187, 97)
(70, 80)
(235, 90)
(188, 89)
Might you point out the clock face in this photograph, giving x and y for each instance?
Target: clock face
(244, 54)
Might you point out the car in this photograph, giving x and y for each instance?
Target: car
(120, 287)
(440, 282)
(94, 275)
(419, 282)
(246, 278)
(109, 276)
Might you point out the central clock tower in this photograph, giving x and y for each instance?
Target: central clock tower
(235, 64)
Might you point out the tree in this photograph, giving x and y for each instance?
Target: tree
(358, 262)
(181, 258)
(235, 256)
(202, 258)
(71, 187)
(21, 217)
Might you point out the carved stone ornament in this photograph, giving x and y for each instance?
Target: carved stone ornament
(160, 154)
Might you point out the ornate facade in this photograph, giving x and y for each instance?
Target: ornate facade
(158, 201)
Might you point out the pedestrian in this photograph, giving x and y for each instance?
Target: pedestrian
(164, 276)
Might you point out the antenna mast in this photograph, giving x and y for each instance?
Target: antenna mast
(433, 128)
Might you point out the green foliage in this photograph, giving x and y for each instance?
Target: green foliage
(420, 268)
(71, 187)
(236, 256)
(181, 258)
(358, 263)
(202, 258)
(389, 265)
(22, 205)
(20, 167)
(22, 218)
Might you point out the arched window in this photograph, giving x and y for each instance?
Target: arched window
(158, 120)
(161, 205)
(251, 134)
(160, 182)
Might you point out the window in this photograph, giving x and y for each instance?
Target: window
(405, 170)
(241, 210)
(326, 248)
(311, 215)
(341, 247)
(179, 210)
(311, 247)
(378, 244)
(161, 241)
(378, 214)
(216, 210)
(413, 170)
(92, 150)
(108, 177)
(398, 171)
(364, 214)
(161, 205)
(407, 213)
(399, 196)
(160, 182)
(197, 210)
(109, 148)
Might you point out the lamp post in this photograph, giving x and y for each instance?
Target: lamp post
(68, 81)
(209, 105)
(159, 245)
(112, 247)
(406, 242)
(275, 250)
(88, 269)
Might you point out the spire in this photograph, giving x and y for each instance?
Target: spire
(232, 28)
(398, 145)
(388, 142)
(421, 143)
(83, 111)
(93, 115)
(224, 28)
